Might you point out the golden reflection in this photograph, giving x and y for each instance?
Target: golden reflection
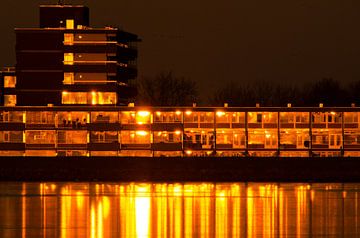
(301, 209)
(177, 210)
(142, 211)
(23, 212)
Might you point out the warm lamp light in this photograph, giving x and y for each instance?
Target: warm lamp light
(143, 113)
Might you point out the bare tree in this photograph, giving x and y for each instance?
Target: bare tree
(166, 90)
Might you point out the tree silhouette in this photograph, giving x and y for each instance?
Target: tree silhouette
(327, 91)
(166, 89)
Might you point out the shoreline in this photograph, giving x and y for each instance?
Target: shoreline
(193, 169)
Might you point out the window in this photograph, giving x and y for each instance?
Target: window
(72, 137)
(135, 137)
(302, 117)
(128, 117)
(9, 81)
(68, 78)
(104, 136)
(191, 117)
(9, 100)
(74, 98)
(90, 37)
(40, 118)
(352, 137)
(206, 117)
(350, 117)
(11, 136)
(87, 57)
(167, 137)
(199, 139)
(139, 117)
(70, 24)
(294, 138)
(101, 98)
(90, 78)
(94, 98)
(259, 138)
(167, 117)
(40, 153)
(69, 58)
(68, 39)
(72, 119)
(104, 117)
(40, 137)
(12, 116)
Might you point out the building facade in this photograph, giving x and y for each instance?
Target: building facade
(64, 97)
(133, 131)
(65, 61)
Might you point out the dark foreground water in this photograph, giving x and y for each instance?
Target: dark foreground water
(179, 210)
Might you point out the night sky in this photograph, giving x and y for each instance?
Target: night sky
(217, 41)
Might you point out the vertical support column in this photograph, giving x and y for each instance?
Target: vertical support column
(152, 134)
(246, 134)
(278, 133)
(310, 134)
(119, 132)
(183, 133)
(88, 121)
(56, 132)
(214, 142)
(342, 133)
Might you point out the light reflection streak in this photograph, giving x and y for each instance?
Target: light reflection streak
(142, 206)
(188, 210)
(23, 213)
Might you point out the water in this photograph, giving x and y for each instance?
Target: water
(179, 210)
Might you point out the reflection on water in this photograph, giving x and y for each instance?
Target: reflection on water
(179, 210)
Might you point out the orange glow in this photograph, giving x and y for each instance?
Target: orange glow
(177, 132)
(220, 113)
(178, 113)
(142, 133)
(142, 117)
(142, 209)
(188, 113)
(143, 113)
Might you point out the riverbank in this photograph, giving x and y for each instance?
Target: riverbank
(181, 169)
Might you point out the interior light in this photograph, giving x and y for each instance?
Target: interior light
(220, 114)
(141, 133)
(143, 113)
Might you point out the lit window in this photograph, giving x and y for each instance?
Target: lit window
(69, 58)
(94, 98)
(9, 81)
(74, 98)
(101, 98)
(68, 39)
(9, 100)
(70, 24)
(68, 78)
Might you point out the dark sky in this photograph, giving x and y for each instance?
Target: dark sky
(217, 41)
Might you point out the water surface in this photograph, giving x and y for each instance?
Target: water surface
(179, 210)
